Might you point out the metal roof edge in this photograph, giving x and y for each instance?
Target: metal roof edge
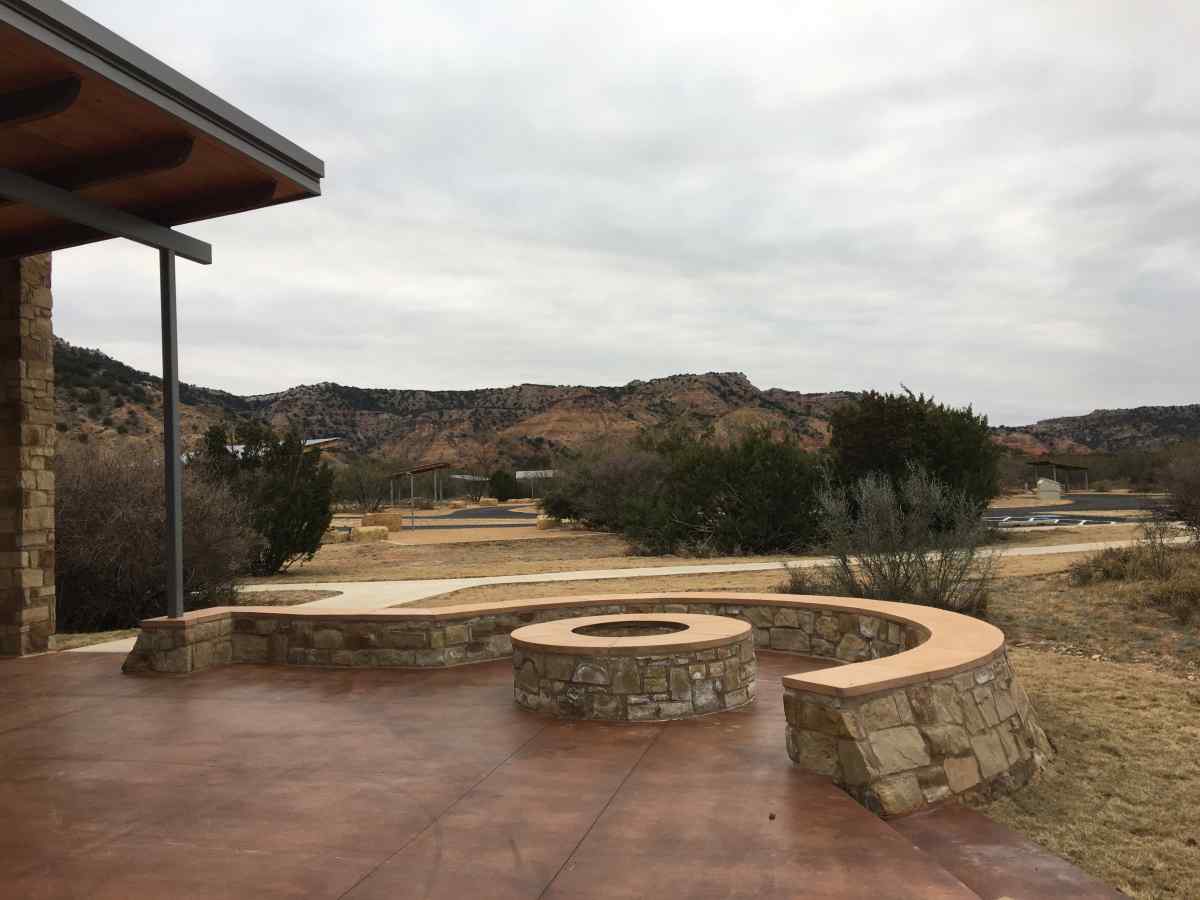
(90, 44)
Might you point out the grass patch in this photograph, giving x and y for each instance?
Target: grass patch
(386, 561)
(72, 641)
(757, 582)
(281, 598)
(1119, 800)
(1113, 620)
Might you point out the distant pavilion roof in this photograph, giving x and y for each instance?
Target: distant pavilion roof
(87, 112)
(419, 470)
(1035, 463)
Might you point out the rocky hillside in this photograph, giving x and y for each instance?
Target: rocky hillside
(102, 399)
(1107, 430)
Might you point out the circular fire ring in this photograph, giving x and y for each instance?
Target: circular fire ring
(645, 667)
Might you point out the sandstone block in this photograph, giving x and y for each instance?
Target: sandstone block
(826, 627)
(736, 698)
(880, 713)
(656, 681)
(590, 674)
(557, 667)
(791, 640)
(899, 749)
(814, 752)
(704, 696)
(680, 683)
(1006, 707)
(857, 764)
(989, 751)
(328, 639)
(899, 795)
(947, 740)
(962, 773)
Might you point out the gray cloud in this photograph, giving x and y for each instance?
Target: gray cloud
(993, 203)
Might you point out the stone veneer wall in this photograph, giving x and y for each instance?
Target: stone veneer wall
(972, 734)
(651, 688)
(26, 456)
(422, 641)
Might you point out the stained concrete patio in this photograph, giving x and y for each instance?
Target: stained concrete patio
(250, 781)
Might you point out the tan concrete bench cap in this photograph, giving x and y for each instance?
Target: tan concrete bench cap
(953, 643)
(702, 632)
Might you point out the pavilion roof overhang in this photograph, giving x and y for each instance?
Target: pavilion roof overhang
(88, 115)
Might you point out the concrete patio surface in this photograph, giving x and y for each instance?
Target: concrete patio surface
(251, 781)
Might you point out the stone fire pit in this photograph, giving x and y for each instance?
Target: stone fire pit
(634, 667)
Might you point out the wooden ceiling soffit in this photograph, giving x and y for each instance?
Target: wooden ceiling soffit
(39, 102)
(119, 165)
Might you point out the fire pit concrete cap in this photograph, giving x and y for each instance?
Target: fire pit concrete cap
(699, 632)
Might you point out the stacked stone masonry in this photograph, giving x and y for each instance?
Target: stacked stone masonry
(972, 735)
(408, 640)
(901, 737)
(27, 435)
(659, 684)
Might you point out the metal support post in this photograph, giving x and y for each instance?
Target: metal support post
(172, 468)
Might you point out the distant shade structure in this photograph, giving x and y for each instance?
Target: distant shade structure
(534, 474)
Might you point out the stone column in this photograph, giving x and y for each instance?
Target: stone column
(26, 456)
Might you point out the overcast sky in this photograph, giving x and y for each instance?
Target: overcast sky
(998, 203)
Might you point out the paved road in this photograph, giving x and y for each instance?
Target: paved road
(1074, 512)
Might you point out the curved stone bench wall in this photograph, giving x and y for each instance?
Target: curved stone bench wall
(449, 636)
(925, 707)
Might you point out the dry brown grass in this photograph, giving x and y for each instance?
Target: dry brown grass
(281, 598)
(495, 593)
(71, 641)
(1120, 799)
(1053, 536)
(387, 561)
(462, 553)
(1108, 619)
(476, 535)
(1024, 501)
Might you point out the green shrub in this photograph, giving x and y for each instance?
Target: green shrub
(682, 492)
(889, 433)
(504, 485)
(608, 485)
(755, 493)
(290, 491)
(1152, 557)
(919, 541)
(110, 559)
